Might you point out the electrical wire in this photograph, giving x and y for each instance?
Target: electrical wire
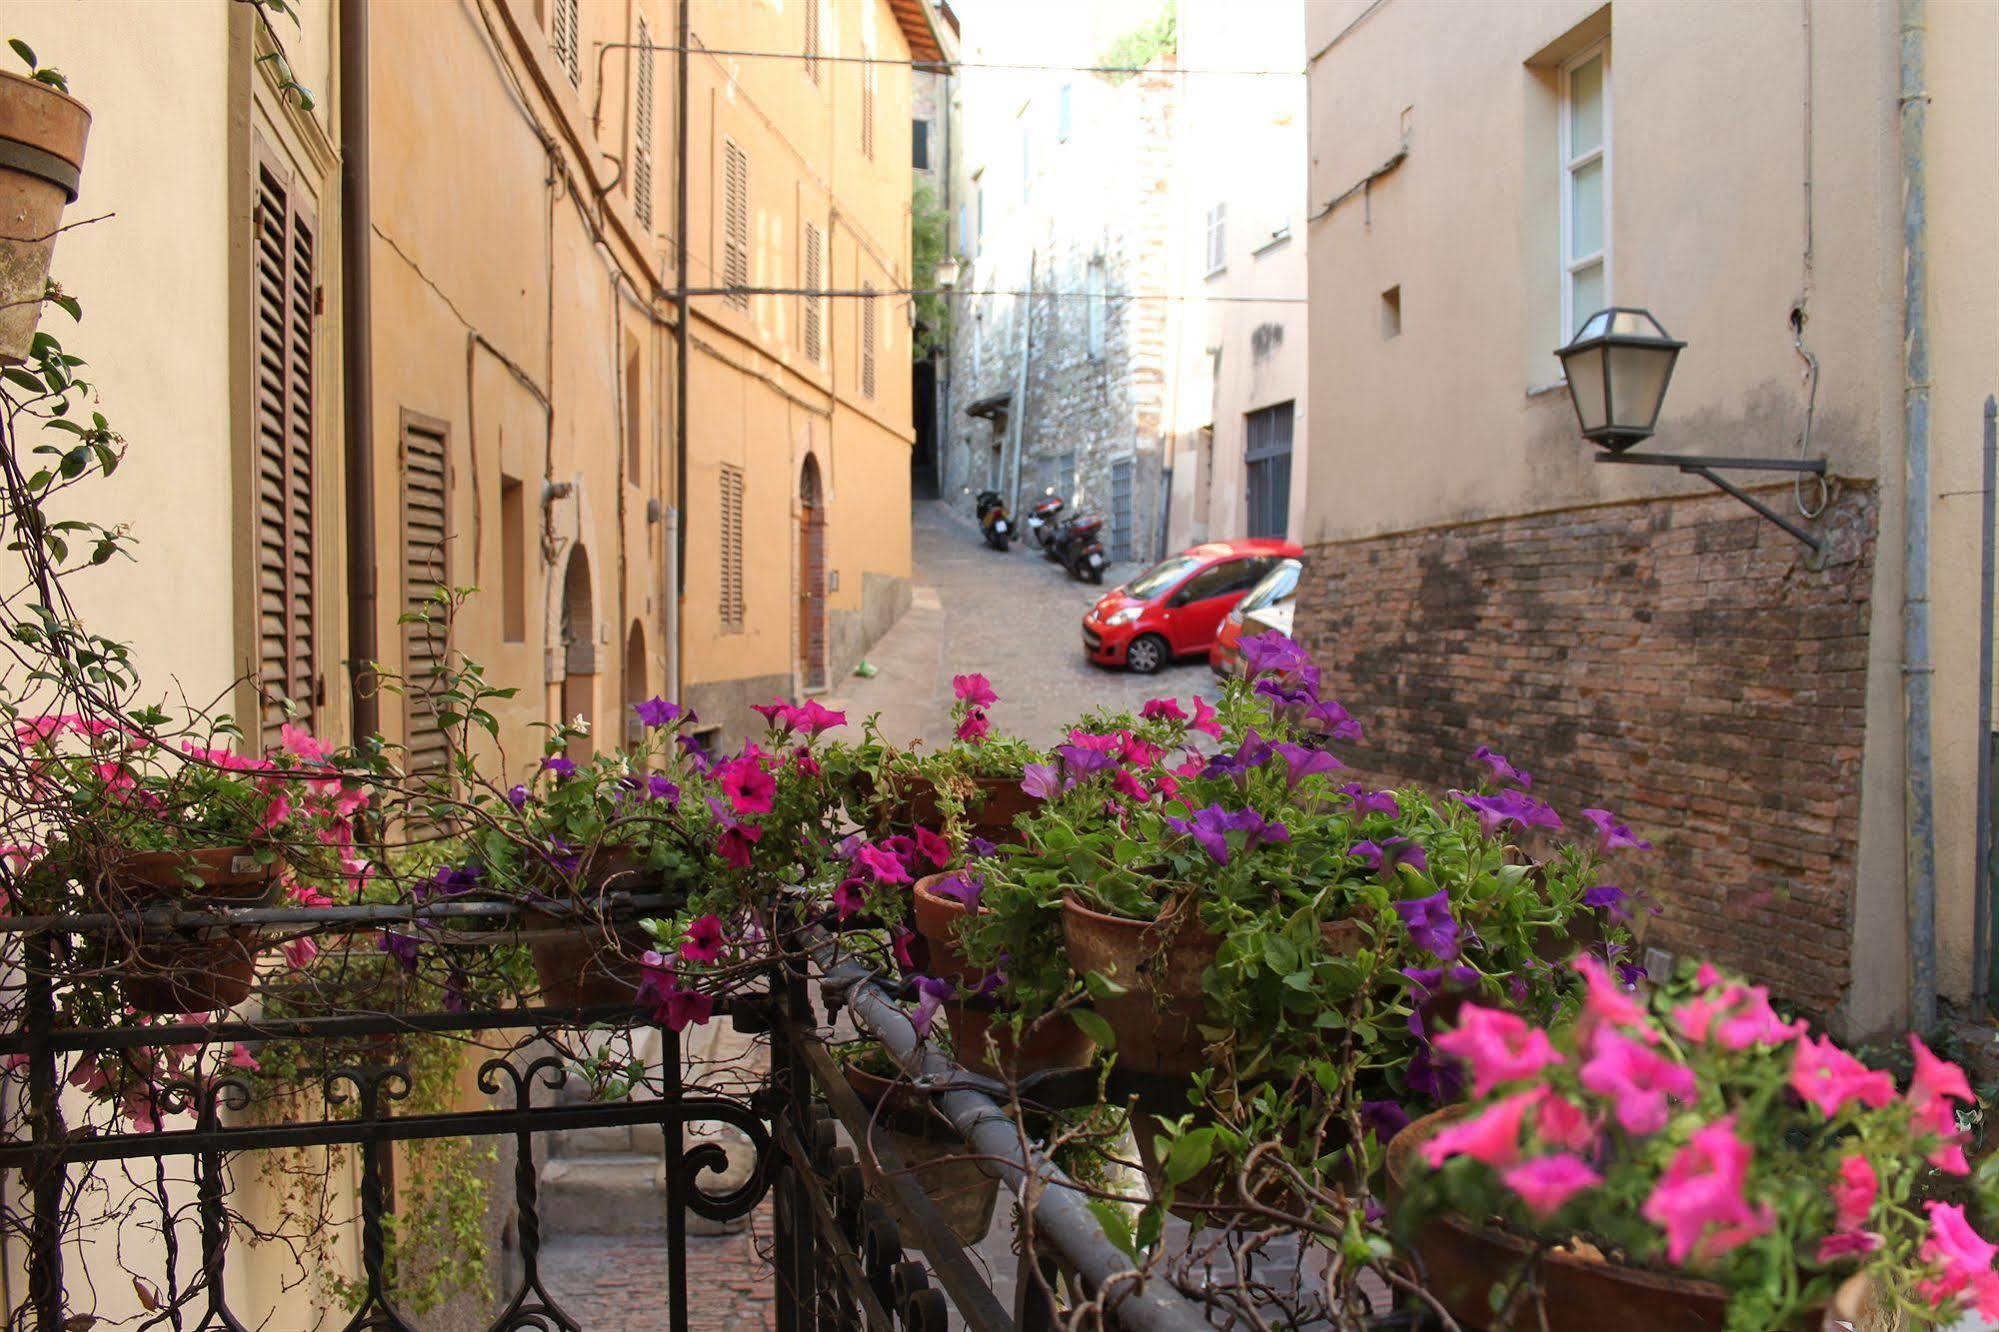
(1037, 294)
(954, 66)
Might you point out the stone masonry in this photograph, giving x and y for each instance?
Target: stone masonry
(1673, 661)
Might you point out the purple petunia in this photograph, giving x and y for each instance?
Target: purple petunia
(659, 788)
(1385, 856)
(559, 765)
(449, 881)
(1439, 1079)
(1607, 897)
(401, 947)
(657, 712)
(1272, 653)
(1081, 762)
(962, 888)
(1430, 924)
(1614, 834)
(562, 857)
(1367, 802)
(1496, 811)
(1502, 770)
(930, 996)
(697, 753)
(517, 796)
(1211, 826)
(1253, 753)
(1302, 761)
(978, 848)
(1385, 1118)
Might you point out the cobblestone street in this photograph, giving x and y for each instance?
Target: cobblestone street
(1018, 618)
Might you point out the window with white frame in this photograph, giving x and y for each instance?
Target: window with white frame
(1218, 235)
(1585, 151)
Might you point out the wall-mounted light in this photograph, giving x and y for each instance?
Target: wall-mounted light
(947, 272)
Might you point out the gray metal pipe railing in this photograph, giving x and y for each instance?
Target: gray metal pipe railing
(1059, 1210)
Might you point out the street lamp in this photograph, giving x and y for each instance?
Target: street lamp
(1618, 367)
(947, 272)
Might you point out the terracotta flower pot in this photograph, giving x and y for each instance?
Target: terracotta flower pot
(42, 133)
(937, 921)
(937, 1158)
(989, 811)
(1464, 1262)
(198, 970)
(1159, 962)
(586, 959)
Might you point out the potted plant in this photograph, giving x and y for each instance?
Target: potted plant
(969, 787)
(43, 129)
(1695, 1161)
(935, 1155)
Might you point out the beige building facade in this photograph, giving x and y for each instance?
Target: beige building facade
(1482, 178)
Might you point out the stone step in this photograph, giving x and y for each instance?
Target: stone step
(624, 1193)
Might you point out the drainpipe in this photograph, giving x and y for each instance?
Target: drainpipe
(1981, 874)
(1919, 814)
(357, 355)
(1020, 383)
(679, 511)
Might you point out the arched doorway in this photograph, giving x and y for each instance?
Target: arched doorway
(811, 577)
(579, 651)
(636, 691)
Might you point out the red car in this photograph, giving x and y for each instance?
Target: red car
(1175, 608)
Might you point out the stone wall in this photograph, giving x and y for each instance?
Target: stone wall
(1675, 661)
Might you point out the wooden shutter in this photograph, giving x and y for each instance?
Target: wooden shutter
(284, 291)
(565, 35)
(731, 552)
(642, 148)
(812, 47)
(868, 109)
(812, 299)
(735, 223)
(426, 526)
(869, 332)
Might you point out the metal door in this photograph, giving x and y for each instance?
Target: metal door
(1267, 460)
(1121, 511)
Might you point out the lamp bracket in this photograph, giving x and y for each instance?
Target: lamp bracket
(1707, 468)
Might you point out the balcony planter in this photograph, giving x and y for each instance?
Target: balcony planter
(937, 1158)
(1051, 1043)
(584, 958)
(1159, 964)
(42, 133)
(199, 969)
(991, 805)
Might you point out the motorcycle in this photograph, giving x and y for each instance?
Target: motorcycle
(993, 520)
(1080, 548)
(1042, 522)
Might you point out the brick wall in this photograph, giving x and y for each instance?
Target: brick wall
(1674, 661)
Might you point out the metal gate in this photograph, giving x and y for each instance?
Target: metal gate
(1267, 461)
(1121, 511)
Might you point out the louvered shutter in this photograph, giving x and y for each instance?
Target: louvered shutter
(426, 570)
(731, 552)
(642, 150)
(736, 223)
(565, 33)
(283, 316)
(869, 332)
(812, 48)
(812, 299)
(868, 110)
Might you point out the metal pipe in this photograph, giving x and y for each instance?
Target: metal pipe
(358, 371)
(1918, 802)
(685, 27)
(1020, 384)
(1984, 883)
(1059, 1210)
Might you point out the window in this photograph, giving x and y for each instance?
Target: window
(284, 281)
(1093, 287)
(1062, 113)
(1391, 312)
(1219, 581)
(565, 38)
(964, 229)
(919, 144)
(1218, 233)
(813, 49)
(1585, 150)
(1267, 467)
(735, 224)
(426, 574)
(870, 329)
(868, 108)
(731, 552)
(813, 306)
(634, 415)
(642, 133)
(513, 560)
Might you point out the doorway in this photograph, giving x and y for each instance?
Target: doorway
(1267, 459)
(811, 577)
(579, 652)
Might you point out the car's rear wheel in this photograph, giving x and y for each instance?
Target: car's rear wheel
(1146, 654)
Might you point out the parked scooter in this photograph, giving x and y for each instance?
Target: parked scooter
(1080, 547)
(1042, 522)
(993, 520)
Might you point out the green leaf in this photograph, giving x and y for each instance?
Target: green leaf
(1094, 1027)
(1101, 986)
(23, 50)
(1190, 1155)
(1116, 1228)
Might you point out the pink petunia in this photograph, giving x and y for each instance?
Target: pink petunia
(1560, 1122)
(1846, 1244)
(933, 848)
(1960, 1259)
(974, 689)
(848, 897)
(736, 844)
(1204, 719)
(1853, 1193)
(299, 953)
(1162, 709)
(1936, 1084)
(1498, 1047)
(1492, 1136)
(240, 1057)
(1828, 1077)
(973, 728)
(883, 866)
(276, 812)
(298, 742)
(1700, 1201)
(749, 788)
(683, 1007)
(1734, 1017)
(1636, 1079)
(1547, 1182)
(1605, 1001)
(704, 939)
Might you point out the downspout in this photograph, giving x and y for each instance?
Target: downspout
(1981, 872)
(943, 404)
(1020, 383)
(357, 356)
(1918, 804)
(678, 513)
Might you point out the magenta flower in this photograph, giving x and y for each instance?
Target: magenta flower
(1828, 1077)
(1734, 1017)
(1367, 802)
(657, 712)
(1854, 1193)
(1041, 781)
(1560, 1122)
(1547, 1182)
(704, 939)
(849, 898)
(1846, 1244)
(1430, 924)
(749, 788)
(883, 866)
(1162, 709)
(1936, 1084)
(1636, 1079)
(655, 978)
(973, 727)
(683, 1007)
(1699, 1201)
(1613, 834)
(814, 719)
(1497, 1047)
(775, 714)
(1204, 719)
(1491, 1137)
(933, 848)
(1502, 771)
(974, 689)
(1961, 1259)
(1385, 856)
(901, 939)
(1605, 1000)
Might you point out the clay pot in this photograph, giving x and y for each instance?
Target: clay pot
(989, 812)
(201, 969)
(42, 133)
(1159, 962)
(937, 1158)
(937, 921)
(1464, 1262)
(582, 960)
